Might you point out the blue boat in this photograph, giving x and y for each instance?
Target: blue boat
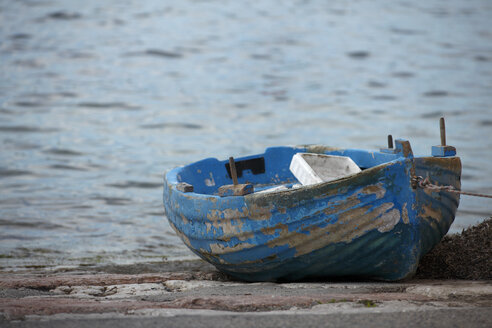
(375, 224)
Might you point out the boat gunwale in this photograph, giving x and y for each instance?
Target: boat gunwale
(172, 175)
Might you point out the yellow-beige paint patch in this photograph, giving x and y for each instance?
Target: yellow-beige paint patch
(430, 212)
(210, 182)
(340, 206)
(231, 229)
(389, 220)
(256, 212)
(226, 214)
(404, 214)
(181, 235)
(208, 256)
(336, 207)
(375, 189)
(350, 225)
(252, 212)
(219, 249)
(431, 215)
(273, 230)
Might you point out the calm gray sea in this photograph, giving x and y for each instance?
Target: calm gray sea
(99, 98)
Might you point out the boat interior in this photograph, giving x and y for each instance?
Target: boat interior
(267, 170)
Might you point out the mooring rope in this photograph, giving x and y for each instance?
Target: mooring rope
(426, 183)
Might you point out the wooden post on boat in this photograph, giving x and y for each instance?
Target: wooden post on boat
(442, 128)
(391, 149)
(443, 150)
(232, 167)
(235, 189)
(390, 141)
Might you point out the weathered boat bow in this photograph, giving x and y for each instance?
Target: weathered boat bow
(374, 224)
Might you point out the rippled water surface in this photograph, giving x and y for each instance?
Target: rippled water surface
(99, 98)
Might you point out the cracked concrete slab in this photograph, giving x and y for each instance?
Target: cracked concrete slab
(109, 297)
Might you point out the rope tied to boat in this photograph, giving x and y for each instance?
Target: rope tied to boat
(425, 183)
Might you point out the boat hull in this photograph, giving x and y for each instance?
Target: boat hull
(375, 224)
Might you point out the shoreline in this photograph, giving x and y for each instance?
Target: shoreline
(194, 293)
(466, 255)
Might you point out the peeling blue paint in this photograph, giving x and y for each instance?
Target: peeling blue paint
(372, 224)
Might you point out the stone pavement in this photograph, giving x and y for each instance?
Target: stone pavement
(197, 295)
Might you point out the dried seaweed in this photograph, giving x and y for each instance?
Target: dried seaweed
(461, 256)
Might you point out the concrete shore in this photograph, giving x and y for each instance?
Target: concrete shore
(193, 293)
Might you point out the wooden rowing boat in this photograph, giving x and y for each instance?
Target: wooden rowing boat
(374, 224)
